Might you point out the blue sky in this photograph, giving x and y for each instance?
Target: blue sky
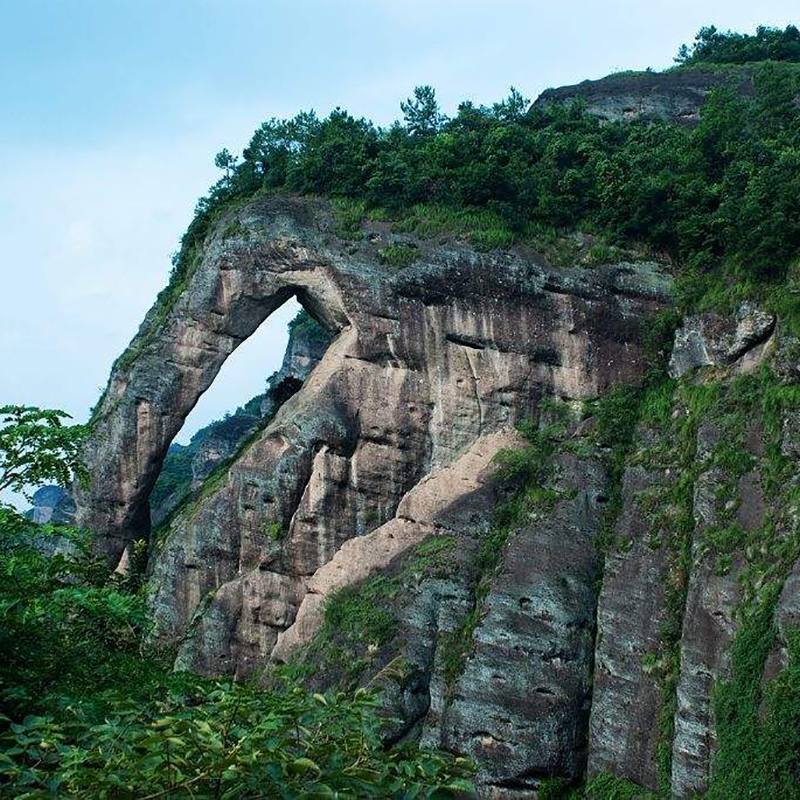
(111, 111)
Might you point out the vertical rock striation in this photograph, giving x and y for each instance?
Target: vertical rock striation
(427, 360)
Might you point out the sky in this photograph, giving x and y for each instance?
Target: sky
(111, 112)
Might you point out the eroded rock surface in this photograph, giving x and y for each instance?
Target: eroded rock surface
(584, 644)
(427, 360)
(711, 340)
(421, 513)
(623, 733)
(674, 96)
(186, 467)
(521, 704)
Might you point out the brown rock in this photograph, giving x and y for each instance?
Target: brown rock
(427, 360)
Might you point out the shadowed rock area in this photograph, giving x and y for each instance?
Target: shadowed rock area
(675, 96)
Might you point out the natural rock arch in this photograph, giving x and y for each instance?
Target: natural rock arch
(389, 441)
(177, 354)
(469, 341)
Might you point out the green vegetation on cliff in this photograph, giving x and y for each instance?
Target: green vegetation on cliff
(717, 199)
(719, 195)
(758, 722)
(175, 479)
(712, 46)
(87, 709)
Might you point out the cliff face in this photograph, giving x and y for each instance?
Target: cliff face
(388, 443)
(451, 341)
(555, 601)
(676, 96)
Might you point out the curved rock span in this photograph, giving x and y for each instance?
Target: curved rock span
(427, 358)
(388, 442)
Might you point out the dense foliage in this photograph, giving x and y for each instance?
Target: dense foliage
(36, 447)
(758, 723)
(712, 46)
(88, 710)
(722, 192)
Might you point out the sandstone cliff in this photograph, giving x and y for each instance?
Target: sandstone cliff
(484, 499)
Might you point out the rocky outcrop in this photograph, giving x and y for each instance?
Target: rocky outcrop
(787, 620)
(712, 340)
(676, 96)
(380, 446)
(689, 560)
(584, 647)
(427, 359)
(52, 504)
(520, 706)
(422, 513)
(308, 341)
(624, 730)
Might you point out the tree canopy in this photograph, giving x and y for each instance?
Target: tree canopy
(712, 46)
(36, 447)
(722, 193)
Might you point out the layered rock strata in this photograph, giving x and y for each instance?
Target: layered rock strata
(596, 640)
(427, 360)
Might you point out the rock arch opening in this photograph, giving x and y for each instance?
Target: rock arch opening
(279, 355)
(174, 359)
(237, 403)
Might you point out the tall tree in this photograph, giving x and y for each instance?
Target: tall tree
(421, 112)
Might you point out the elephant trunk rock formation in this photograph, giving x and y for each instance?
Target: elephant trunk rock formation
(386, 447)
(427, 358)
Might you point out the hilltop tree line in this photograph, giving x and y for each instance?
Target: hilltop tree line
(712, 46)
(723, 191)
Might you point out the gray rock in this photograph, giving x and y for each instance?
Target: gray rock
(428, 360)
(709, 621)
(786, 363)
(52, 504)
(623, 733)
(521, 706)
(709, 340)
(675, 96)
(787, 618)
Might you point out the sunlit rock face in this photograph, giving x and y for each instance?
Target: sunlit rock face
(389, 440)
